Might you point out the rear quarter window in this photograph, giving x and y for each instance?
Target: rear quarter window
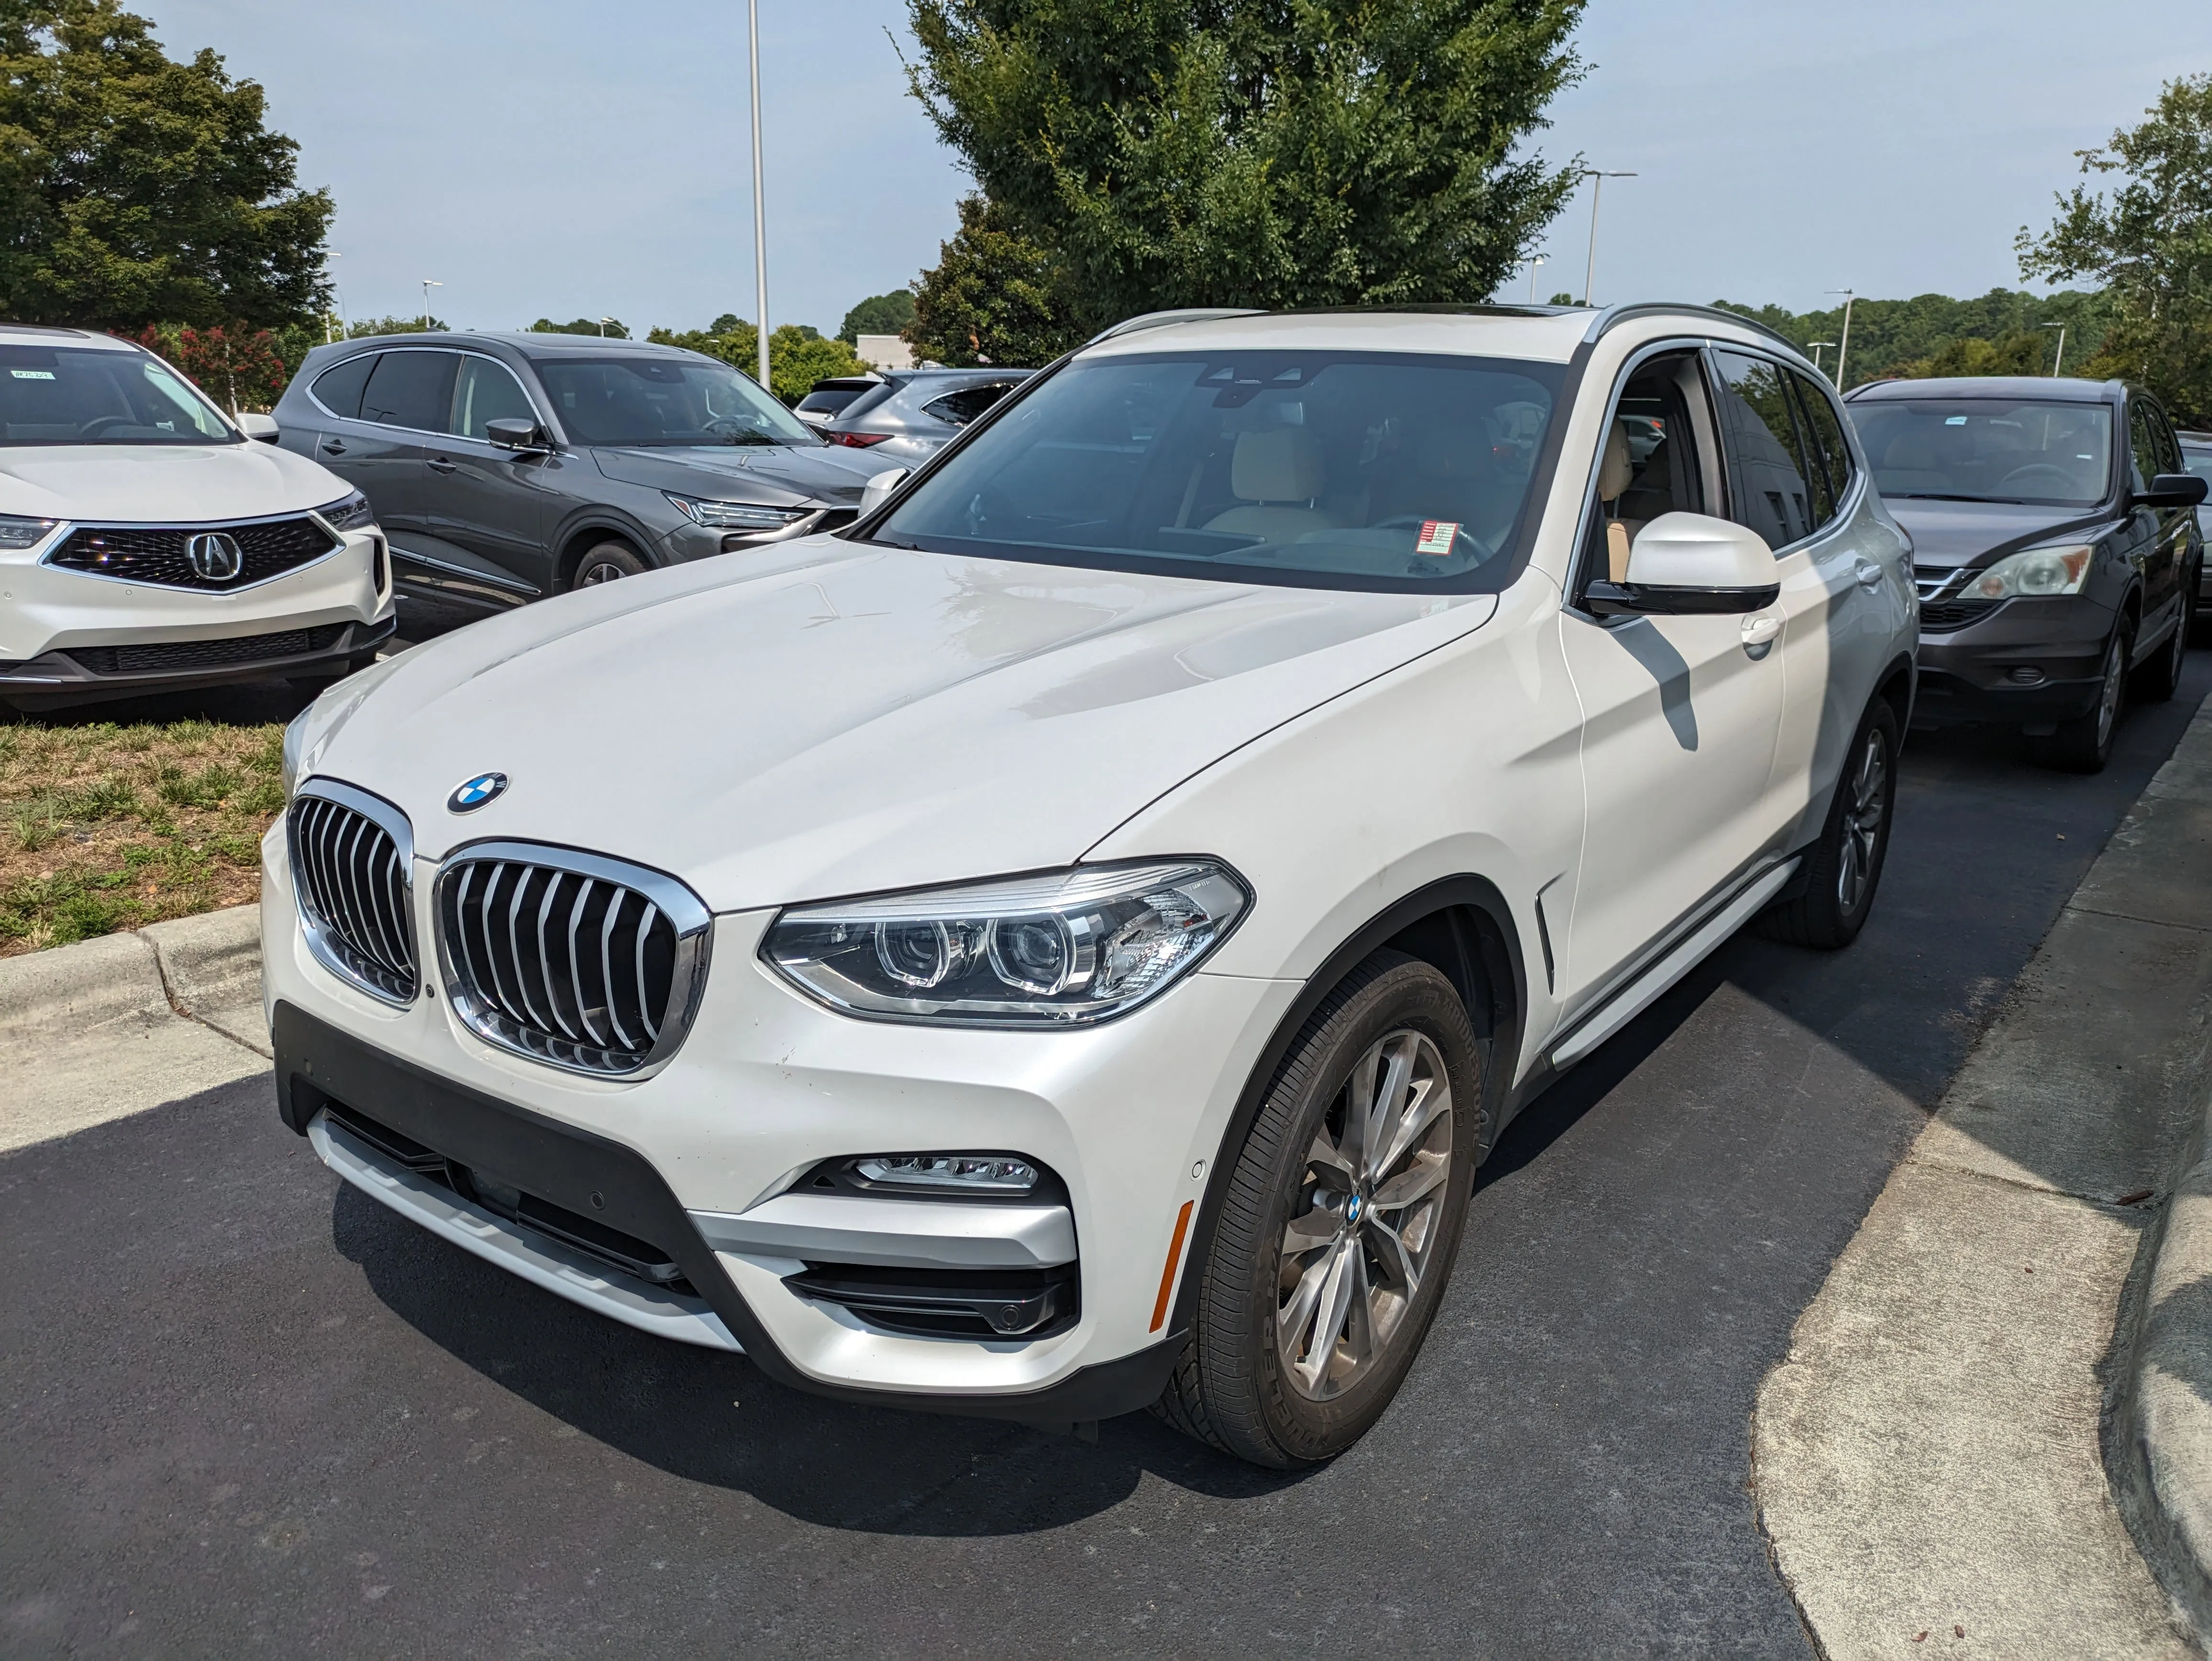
(338, 389)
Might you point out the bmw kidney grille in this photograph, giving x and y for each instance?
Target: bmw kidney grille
(353, 858)
(589, 964)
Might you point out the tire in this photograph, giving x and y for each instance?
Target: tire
(606, 561)
(2157, 683)
(2084, 744)
(1306, 1227)
(1843, 870)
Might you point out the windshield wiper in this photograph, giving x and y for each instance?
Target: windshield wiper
(1938, 495)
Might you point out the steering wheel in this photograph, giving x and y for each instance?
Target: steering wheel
(719, 425)
(101, 424)
(2037, 472)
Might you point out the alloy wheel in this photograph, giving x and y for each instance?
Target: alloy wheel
(599, 572)
(1865, 808)
(1368, 1216)
(2108, 695)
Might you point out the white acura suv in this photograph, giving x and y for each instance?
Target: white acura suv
(1065, 942)
(146, 544)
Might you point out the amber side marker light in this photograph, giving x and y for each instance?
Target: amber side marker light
(1174, 1256)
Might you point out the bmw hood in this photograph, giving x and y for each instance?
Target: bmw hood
(779, 476)
(161, 484)
(849, 718)
(1949, 534)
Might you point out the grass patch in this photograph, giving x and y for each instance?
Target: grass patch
(104, 826)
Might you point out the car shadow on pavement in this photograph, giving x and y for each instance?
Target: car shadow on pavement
(714, 1419)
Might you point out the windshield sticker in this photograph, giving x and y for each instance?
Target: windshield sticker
(1436, 536)
(1955, 421)
(32, 374)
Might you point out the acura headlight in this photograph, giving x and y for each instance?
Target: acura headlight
(1056, 950)
(349, 514)
(736, 515)
(2033, 571)
(19, 533)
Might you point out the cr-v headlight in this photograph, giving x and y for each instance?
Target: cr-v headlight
(1055, 949)
(2032, 572)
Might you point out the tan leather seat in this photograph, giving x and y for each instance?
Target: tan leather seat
(1275, 473)
(1615, 470)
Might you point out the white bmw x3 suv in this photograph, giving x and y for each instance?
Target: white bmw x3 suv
(146, 544)
(1065, 943)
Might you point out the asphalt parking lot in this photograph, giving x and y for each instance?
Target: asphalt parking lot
(247, 1409)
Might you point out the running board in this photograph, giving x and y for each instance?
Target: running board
(1646, 989)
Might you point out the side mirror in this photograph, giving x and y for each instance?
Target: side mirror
(1684, 564)
(512, 433)
(877, 490)
(2174, 490)
(261, 427)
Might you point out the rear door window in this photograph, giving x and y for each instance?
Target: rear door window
(1769, 491)
(411, 389)
(338, 390)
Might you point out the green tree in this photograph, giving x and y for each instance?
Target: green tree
(797, 356)
(612, 329)
(882, 314)
(2150, 243)
(361, 327)
(1892, 337)
(134, 189)
(1266, 152)
(992, 297)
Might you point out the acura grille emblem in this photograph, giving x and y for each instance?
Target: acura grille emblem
(215, 555)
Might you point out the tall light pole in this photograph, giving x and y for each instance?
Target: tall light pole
(2060, 360)
(1534, 260)
(428, 284)
(1844, 347)
(336, 296)
(1597, 176)
(760, 209)
(603, 327)
(1815, 345)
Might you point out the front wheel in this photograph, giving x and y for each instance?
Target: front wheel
(1341, 1220)
(607, 562)
(1843, 868)
(2084, 744)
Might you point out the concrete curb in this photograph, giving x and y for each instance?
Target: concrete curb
(114, 1025)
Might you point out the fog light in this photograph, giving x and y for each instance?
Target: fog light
(2026, 675)
(972, 1173)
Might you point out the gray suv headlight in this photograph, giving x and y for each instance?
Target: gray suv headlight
(736, 515)
(1055, 949)
(350, 514)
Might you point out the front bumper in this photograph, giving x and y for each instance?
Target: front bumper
(2025, 662)
(86, 674)
(702, 1162)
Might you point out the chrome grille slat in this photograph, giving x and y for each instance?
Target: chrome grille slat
(515, 925)
(352, 869)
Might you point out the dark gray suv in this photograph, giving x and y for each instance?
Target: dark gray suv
(505, 467)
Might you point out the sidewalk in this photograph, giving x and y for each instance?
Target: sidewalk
(1930, 1458)
(126, 1022)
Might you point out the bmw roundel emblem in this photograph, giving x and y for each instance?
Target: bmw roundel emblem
(472, 793)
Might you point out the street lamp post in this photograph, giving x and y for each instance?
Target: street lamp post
(1816, 345)
(760, 210)
(337, 297)
(428, 284)
(2058, 362)
(1534, 260)
(1844, 347)
(1598, 176)
(603, 327)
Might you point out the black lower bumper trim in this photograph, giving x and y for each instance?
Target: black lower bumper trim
(616, 1187)
(92, 675)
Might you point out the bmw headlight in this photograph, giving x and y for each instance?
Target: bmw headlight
(16, 532)
(735, 515)
(350, 514)
(2033, 571)
(1056, 950)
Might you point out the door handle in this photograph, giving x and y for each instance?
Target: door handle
(1762, 630)
(331, 446)
(1870, 575)
(440, 465)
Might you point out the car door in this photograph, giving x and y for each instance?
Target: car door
(1680, 713)
(1778, 430)
(380, 445)
(489, 501)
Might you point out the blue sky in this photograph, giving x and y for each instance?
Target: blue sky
(567, 159)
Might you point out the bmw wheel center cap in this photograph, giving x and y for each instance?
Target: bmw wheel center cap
(472, 793)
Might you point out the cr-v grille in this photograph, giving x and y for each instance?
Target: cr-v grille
(590, 963)
(353, 858)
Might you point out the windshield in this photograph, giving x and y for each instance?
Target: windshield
(80, 395)
(658, 403)
(1962, 449)
(2197, 459)
(1327, 469)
